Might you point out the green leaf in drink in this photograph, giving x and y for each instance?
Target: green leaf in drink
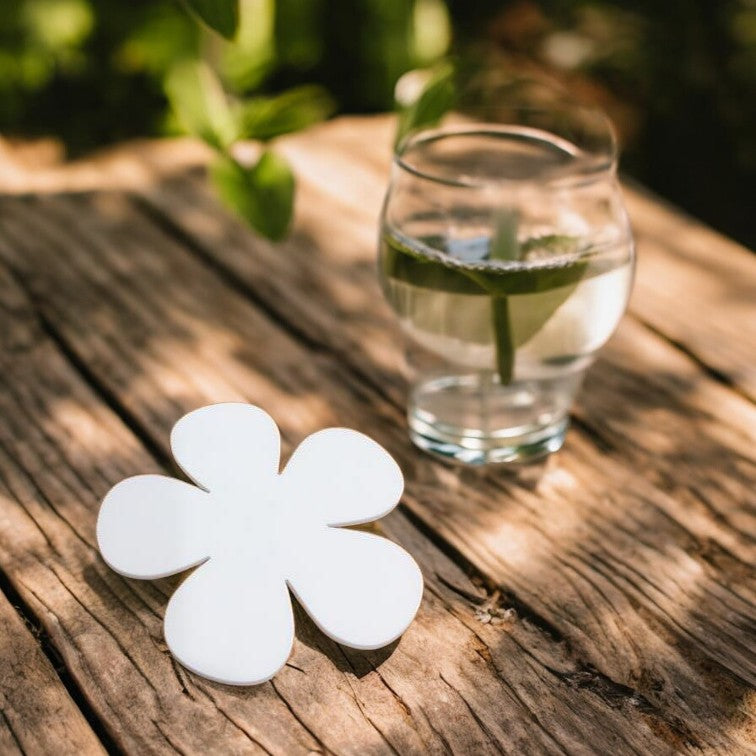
(508, 303)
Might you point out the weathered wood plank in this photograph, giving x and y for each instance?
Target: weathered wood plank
(696, 287)
(681, 470)
(133, 658)
(36, 713)
(60, 450)
(156, 351)
(198, 342)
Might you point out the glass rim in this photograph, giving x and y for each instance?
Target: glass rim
(589, 164)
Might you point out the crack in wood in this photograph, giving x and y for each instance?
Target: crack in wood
(109, 631)
(44, 498)
(167, 739)
(485, 654)
(49, 649)
(368, 719)
(104, 393)
(524, 611)
(89, 376)
(485, 729)
(323, 747)
(228, 717)
(181, 677)
(683, 633)
(616, 695)
(440, 735)
(712, 372)
(12, 732)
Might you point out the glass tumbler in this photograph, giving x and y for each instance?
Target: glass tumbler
(506, 254)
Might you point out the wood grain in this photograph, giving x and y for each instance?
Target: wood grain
(697, 288)
(628, 558)
(448, 672)
(37, 714)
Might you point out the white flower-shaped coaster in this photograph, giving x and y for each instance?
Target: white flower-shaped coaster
(257, 531)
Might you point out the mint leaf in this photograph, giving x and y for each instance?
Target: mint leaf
(416, 268)
(550, 243)
(220, 15)
(262, 195)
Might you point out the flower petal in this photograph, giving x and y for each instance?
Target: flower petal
(360, 589)
(343, 478)
(228, 628)
(151, 526)
(227, 447)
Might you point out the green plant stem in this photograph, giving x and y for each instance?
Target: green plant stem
(505, 347)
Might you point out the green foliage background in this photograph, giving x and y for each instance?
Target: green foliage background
(678, 76)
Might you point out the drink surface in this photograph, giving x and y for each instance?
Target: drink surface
(533, 317)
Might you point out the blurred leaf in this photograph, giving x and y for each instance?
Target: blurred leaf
(431, 30)
(221, 15)
(263, 195)
(245, 61)
(433, 102)
(197, 97)
(58, 24)
(268, 117)
(154, 45)
(300, 33)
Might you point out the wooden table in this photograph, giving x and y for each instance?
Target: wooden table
(129, 297)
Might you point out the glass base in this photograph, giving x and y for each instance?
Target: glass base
(476, 450)
(473, 419)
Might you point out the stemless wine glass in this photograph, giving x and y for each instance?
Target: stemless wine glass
(507, 256)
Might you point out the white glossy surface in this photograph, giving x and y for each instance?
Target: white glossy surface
(257, 530)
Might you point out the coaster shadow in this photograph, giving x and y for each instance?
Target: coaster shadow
(148, 598)
(345, 659)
